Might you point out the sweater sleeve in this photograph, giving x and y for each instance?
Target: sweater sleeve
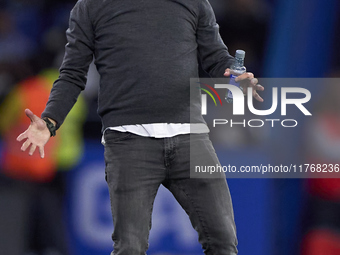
(73, 71)
(213, 53)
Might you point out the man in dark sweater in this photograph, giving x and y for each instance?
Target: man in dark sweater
(146, 52)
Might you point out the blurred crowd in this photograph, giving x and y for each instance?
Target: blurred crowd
(32, 37)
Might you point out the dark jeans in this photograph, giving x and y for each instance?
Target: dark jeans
(135, 168)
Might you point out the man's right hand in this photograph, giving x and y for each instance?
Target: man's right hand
(37, 135)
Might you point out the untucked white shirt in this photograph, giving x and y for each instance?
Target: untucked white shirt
(161, 130)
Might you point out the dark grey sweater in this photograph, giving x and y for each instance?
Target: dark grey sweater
(145, 52)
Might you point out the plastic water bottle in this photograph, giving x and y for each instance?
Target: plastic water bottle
(235, 70)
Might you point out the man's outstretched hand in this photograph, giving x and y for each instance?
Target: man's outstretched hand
(37, 135)
(247, 80)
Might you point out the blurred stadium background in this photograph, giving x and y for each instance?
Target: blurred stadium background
(65, 209)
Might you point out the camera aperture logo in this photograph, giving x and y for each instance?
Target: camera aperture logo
(239, 105)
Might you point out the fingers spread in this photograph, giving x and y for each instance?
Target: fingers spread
(227, 72)
(245, 76)
(259, 87)
(249, 76)
(21, 137)
(257, 97)
(254, 81)
(25, 145)
(41, 151)
(30, 115)
(32, 149)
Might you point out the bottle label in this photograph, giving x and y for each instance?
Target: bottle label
(233, 82)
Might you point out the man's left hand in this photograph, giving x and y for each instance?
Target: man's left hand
(248, 80)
